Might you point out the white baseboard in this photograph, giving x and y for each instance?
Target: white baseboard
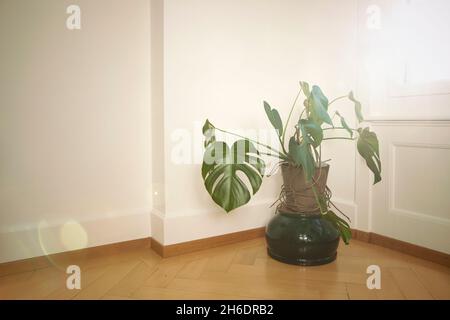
(191, 226)
(166, 229)
(48, 239)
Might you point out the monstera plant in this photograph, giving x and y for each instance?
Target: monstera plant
(232, 174)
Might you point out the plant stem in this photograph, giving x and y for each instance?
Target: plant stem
(317, 199)
(339, 138)
(301, 114)
(287, 121)
(333, 128)
(271, 154)
(280, 155)
(320, 155)
(282, 144)
(336, 99)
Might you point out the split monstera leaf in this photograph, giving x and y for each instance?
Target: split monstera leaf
(232, 174)
(221, 165)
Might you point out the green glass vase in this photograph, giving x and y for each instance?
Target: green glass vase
(301, 239)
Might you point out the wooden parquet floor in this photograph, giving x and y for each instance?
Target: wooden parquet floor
(238, 271)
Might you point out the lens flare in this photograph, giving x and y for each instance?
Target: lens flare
(68, 237)
(73, 236)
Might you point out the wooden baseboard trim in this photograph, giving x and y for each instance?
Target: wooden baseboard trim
(36, 263)
(206, 243)
(157, 247)
(369, 237)
(402, 246)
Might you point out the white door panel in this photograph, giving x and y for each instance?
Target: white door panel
(413, 201)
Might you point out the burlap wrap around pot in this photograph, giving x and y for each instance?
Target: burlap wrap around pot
(297, 195)
(298, 234)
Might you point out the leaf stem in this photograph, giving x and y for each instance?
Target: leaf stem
(301, 114)
(336, 99)
(333, 128)
(282, 144)
(339, 138)
(317, 199)
(289, 118)
(280, 155)
(271, 154)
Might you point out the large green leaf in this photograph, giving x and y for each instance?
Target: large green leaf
(344, 124)
(302, 156)
(306, 92)
(358, 111)
(274, 118)
(221, 165)
(305, 88)
(209, 133)
(340, 224)
(368, 149)
(318, 106)
(312, 133)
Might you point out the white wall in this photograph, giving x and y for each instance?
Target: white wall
(222, 59)
(74, 125)
(84, 158)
